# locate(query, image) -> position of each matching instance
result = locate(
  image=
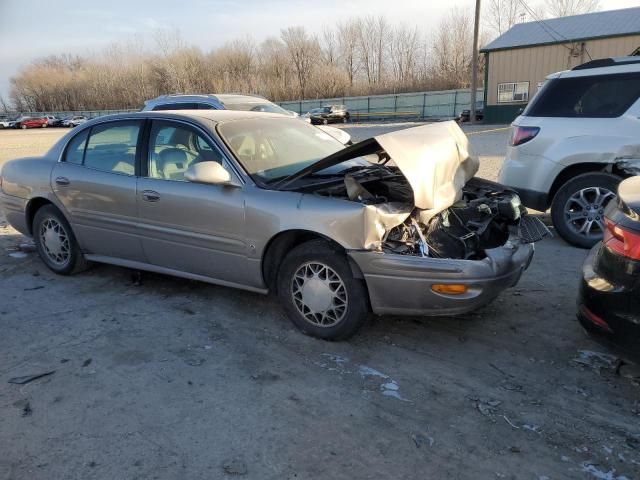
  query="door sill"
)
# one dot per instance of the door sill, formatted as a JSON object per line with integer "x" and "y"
{"x": 169, "y": 271}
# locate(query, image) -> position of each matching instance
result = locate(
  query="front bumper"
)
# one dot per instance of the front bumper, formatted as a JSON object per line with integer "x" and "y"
{"x": 401, "y": 284}
{"x": 608, "y": 301}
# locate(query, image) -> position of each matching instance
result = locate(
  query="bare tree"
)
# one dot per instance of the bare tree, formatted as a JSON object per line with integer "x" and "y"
{"x": 452, "y": 46}
{"x": 372, "y": 42}
{"x": 304, "y": 52}
{"x": 563, "y": 8}
{"x": 404, "y": 48}
{"x": 348, "y": 47}
{"x": 501, "y": 15}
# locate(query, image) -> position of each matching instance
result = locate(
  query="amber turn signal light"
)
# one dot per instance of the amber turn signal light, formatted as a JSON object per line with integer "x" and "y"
{"x": 449, "y": 288}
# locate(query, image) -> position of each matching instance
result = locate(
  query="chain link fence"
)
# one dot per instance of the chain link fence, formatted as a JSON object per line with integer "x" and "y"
{"x": 421, "y": 105}
{"x": 406, "y": 106}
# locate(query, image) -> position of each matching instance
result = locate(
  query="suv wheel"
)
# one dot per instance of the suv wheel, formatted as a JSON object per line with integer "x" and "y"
{"x": 577, "y": 210}
{"x": 55, "y": 242}
{"x": 319, "y": 293}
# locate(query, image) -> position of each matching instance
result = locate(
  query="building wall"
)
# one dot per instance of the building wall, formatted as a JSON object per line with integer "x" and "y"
{"x": 533, "y": 64}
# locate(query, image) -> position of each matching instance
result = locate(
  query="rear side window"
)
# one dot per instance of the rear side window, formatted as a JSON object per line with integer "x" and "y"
{"x": 75, "y": 148}
{"x": 598, "y": 96}
{"x": 176, "y": 106}
{"x": 112, "y": 147}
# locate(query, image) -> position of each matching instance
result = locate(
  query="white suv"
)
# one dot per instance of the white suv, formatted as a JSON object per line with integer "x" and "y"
{"x": 575, "y": 141}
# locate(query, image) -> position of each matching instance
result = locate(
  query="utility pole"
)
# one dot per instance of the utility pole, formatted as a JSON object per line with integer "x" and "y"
{"x": 474, "y": 64}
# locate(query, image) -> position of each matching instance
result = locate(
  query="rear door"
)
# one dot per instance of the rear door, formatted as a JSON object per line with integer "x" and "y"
{"x": 96, "y": 183}
{"x": 184, "y": 226}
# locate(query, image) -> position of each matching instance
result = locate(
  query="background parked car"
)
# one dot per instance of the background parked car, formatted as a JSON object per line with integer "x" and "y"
{"x": 31, "y": 122}
{"x": 74, "y": 121}
{"x": 465, "y": 115}
{"x": 575, "y": 141}
{"x": 4, "y": 122}
{"x": 252, "y": 103}
{"x": 51, "y": 120}
{"x": 329, "y": 114}
{"x": 609, "y": 302}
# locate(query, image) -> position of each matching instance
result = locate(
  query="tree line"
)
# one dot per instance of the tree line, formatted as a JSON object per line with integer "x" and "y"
{"x": 358, "y": 56}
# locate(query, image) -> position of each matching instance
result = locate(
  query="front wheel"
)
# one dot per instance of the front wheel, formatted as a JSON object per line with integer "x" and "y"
{"x": 577, "y": 210}
{"x": 23, "y": 127}
{"x": 55, "y": 242}
{"x": 44, "y": 125}
{"x": 319, "y": 293}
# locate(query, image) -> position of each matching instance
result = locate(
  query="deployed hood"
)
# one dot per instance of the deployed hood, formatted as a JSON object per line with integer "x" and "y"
{"x": 433, "y": 158}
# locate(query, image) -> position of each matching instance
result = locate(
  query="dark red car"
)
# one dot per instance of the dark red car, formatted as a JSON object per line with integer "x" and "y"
{"x": 33, "y": 123}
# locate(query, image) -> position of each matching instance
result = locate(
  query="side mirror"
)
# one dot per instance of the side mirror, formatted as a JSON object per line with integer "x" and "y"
{"x": 208, "y": 172}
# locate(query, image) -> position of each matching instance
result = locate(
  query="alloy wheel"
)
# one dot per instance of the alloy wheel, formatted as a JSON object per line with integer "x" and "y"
{"x": 319, "y": 294}
{"x": 584, "y": 211}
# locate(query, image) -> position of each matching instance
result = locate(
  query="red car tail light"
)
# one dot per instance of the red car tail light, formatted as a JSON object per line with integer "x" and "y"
{"x": 520, "y": 135}
{"x": 622, "y": 241}
{"x": 595, "y": 319}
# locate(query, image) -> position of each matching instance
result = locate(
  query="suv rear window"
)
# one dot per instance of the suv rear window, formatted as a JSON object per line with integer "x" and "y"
{"x": 598, "y": 96}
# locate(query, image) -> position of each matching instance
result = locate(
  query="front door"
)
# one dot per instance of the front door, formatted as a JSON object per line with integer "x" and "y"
{"x": 96, "y": 183}
{"x": 184, "y": 226}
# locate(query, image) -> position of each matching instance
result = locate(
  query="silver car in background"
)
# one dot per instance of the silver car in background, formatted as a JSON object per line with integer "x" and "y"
{"x": 394, "y": 224}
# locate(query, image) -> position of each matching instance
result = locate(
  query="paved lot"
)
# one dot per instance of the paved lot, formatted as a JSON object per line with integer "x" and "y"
{"x": 175, "y": 379}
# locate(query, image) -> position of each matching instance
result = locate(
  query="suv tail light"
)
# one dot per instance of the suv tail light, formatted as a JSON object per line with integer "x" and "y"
{"x": 520, "y": 135}
{"x": 622, "y": 241}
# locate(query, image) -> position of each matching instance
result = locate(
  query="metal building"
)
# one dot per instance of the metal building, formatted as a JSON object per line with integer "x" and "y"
{"x": 518, "y": 61}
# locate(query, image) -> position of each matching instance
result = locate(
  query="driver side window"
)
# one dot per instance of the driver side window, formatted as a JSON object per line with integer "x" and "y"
{"x": 174, "y": 147}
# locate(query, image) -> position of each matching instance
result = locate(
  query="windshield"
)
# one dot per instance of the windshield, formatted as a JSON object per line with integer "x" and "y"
{"x": 257, "y": 107}
{"x": 271, "y": 150}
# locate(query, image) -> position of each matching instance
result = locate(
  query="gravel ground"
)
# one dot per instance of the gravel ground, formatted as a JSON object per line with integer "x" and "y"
{"x": 167, "y": 378}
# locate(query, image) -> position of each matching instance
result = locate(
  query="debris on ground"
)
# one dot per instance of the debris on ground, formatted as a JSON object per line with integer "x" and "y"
{"x": 486, "y": 407}
{"x": 87, "y": 362}
{"x": 30, "y": 378}
{"x": 419, "y": 439}
{"x": 235, "y": 466}
{"x": 38, "y": 287}
{"x": 27, "y": 247}
{"x": 598, "y": 361}
{"x": 27, "y": 410}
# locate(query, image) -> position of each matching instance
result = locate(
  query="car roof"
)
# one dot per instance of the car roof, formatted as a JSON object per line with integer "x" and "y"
{"x": 222, "y": 97}
{"x": 601, "y": 66}
{"x": 216, "y": 116}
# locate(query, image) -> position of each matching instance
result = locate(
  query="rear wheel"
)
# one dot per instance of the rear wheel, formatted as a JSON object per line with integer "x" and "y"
{"x": 23, "y": 127}
{"x": 578, "y": 207}
{"x": 44, "y": 125}
{"x": 319, "y": 293}
{"x": 55, "y": 242}
{"x": 325, "y": 121}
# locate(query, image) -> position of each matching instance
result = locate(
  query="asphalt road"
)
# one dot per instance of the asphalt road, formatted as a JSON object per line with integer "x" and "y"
{"x": 169, "y": 378}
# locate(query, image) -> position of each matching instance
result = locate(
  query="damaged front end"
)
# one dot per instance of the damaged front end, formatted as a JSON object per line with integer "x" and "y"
{"x": 420, "y": 196}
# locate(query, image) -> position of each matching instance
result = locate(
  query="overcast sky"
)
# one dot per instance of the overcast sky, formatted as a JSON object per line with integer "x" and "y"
{"x": 36, "y": 28}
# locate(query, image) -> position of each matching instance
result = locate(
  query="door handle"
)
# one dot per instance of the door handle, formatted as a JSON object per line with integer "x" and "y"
{"x": 150, "y": 196}
{"x": 62, "y": 181}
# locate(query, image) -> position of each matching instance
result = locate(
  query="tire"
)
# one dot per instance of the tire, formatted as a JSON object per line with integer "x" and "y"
{"x": 310, "y": 265}
{"x": 44, "y": 125}
{"x": 344, "y": 119}
{"x": 50, "y": 219}
{"x": 578, "y": 206}
{"x": 23, "y": 127}
{"x": 325, "y": 121}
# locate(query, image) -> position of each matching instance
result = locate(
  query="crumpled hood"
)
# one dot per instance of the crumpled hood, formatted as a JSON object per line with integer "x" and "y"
{"x": 434, "y": 159}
